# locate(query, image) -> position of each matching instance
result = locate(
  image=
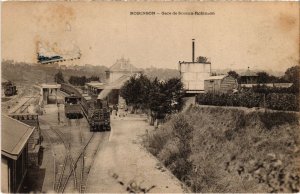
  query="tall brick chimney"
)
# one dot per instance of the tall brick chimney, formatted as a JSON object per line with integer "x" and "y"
{"x": 193, "y": 50}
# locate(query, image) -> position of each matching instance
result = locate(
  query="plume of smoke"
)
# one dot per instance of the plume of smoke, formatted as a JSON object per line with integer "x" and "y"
{"x": 104, "y": 93}
{"x": 114, "y": 85}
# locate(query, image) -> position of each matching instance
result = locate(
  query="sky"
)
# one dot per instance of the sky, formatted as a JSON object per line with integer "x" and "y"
{"x": 259, "y": 35}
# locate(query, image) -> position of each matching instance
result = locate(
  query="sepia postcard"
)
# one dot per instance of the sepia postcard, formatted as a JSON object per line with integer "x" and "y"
{"x": 150, "y": 97}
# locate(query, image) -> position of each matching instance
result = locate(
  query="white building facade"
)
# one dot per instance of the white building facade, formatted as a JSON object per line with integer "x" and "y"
{"x": 193, "y": 75}
{"x": 119, "y": 69}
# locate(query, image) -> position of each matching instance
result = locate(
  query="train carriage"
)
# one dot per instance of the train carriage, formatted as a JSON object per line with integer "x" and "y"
{"x": 96, "y": 111}
{"x": 73, "y": 107}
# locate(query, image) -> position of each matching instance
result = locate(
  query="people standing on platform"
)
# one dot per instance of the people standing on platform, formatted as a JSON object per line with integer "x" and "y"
{"x": 115, "y": 107}
{"x": 58, "y": 117}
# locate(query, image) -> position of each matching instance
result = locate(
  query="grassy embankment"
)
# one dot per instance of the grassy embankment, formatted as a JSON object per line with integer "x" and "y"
{"x": 214, "y": 149}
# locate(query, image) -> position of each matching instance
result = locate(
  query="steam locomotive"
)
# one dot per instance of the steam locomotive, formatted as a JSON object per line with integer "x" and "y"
{"x": 97, "y": 113}
{"x": 10, "y": 89}
{"x": 95, "y": 110}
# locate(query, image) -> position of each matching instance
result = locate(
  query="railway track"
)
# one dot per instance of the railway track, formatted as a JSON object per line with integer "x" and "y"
{"x": 79, "y": 166}
{"x": 90, "y": 153}
{"x": 89, "y": 150}
{"x": 46, "y": 135}
{"x": 63, "y": 181}
{"x": 59, "y": 167}
{"x": 66, "y": 168}
{"x": 20, "y": 108}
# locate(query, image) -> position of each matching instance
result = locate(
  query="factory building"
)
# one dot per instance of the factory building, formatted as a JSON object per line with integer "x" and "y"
{"x": 14, "y": 153}
{"x": 194, "y": 73}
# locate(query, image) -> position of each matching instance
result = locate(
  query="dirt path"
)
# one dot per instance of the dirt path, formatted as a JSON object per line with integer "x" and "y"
{"x": 122, "y": 164}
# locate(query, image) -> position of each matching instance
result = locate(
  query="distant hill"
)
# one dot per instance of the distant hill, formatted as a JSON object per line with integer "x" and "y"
{"x": 161, "y": 73}
{"x": 240, "y": 71}
{"x": 36, "y": 73}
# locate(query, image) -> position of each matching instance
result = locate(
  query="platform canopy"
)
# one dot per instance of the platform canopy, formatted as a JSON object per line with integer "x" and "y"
{"x": 95, "y": 84}
{"x": 51, "y": 86}
{"x": 14, "y": 137}
{"x": 117, "y": 84}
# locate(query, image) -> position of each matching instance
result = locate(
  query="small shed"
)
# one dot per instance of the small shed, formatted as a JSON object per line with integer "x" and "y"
{"x": 220, "y": 84}
{"x": 14, "y": 153}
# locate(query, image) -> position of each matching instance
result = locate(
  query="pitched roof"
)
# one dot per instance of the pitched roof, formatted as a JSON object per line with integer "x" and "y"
{"x": 123, "y": 65}
{"x": 216, "y": 77}
{"x": 95, "y": 83}
{"x": 15, "y": 135}
{"x": 248, "y": 73}
{"x": 117, "y": 84}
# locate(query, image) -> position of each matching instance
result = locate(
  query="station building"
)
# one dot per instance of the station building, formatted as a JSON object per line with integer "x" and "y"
{"x": 14, "y": 153}
{"x": 119, "y": 69}
{"x": 116, "y": 76}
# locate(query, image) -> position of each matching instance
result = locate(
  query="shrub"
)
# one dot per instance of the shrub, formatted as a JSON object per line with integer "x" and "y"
{"x": 156, "y": 141}
{"x": 272, "y": 119}
{"x": 232, "y": 150}
{"x": 285, "y": 102}
{"x": 171, "y": 144}
{"x": 276, "y": 101}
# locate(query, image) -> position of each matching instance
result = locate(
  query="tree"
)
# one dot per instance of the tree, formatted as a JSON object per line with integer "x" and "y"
{"x": 233, "y": 74}
{"x": 127, "y": 91}
{"x": 93, "y": 78}
{"x": 78, "y": 81}
{"x": 202, "y": 59}
{"x": 173, "y": 89}
{"x": 156, "y": 101}
{"x": 144, "y": 84}
{"x": 165, "y": 97}
{"x": 160, "y": 98}
{"x": 292, "y": 75}
{"x": 136, "y": 91}
{"x": 59, "y": 78}
{"x": 263, "y": 77}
